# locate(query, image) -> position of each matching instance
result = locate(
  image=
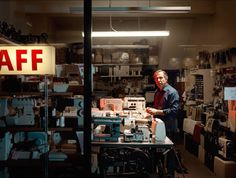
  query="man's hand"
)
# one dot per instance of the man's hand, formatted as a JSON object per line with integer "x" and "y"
{"x": 151, "y": 111}
{"x": 154, "y": 111}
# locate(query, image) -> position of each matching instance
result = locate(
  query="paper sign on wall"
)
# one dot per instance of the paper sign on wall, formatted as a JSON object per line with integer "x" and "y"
{"x": 27, "y": 60}
{"x": 230, "y": 93}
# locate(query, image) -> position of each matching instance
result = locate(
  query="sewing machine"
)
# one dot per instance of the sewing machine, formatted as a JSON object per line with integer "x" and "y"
{"x": 106, "y": 128}
{"x": 74, "y": 107}
{"x": 134, "y": 103}
{"x": 141, "y": 133}
{"x": 226, "y": 147}
{"x": 113, "y": 104}
{"x": 21, "y": 112}
{"x": 29, "y": 145}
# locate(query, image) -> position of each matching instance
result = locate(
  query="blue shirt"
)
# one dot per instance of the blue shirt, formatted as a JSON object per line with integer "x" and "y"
{"x": 168, "y": 101}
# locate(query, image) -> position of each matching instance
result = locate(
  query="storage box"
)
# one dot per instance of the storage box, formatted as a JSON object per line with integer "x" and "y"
{"x": 201, "y": 153}
{"x": 223, "y": 168}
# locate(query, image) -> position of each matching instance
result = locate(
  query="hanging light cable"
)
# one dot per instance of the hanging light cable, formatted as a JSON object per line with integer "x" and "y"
{"x": 115, "y": 33}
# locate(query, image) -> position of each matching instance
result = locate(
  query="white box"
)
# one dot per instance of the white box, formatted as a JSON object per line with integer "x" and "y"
{"x": 201, "y": 153}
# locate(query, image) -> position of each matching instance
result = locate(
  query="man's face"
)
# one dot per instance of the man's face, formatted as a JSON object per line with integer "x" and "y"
{"x": 160, "y": 79}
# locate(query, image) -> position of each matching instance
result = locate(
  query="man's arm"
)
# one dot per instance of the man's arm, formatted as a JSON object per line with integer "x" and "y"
{"x": 154, "y": 111}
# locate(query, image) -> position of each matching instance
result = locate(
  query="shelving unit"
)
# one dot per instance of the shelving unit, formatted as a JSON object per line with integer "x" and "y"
{"x": 121, "y": 67}
{"x": 23, "y": 136}
{"x": 213, "y": 116}
{"x": 203, "y": 81}
{"x": 67, "y": 134}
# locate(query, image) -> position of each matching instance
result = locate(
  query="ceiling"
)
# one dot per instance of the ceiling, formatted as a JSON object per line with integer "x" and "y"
{"x": 59, "y": 14}
{"x": 56, "y": 18}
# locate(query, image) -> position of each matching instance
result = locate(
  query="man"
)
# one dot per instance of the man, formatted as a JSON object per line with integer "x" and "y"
{"x": 166, "y": 107}
{"x": 166, "y": 103}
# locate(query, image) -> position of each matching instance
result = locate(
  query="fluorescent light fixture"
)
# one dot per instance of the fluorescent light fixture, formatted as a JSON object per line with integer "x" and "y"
{"x": 165, "y": 9}
{"x": 159, "y": 9}
{"x": 128, "y": 33}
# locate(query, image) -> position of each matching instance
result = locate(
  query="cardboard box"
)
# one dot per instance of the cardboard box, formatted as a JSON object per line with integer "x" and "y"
{"x": 223, "y": 168}
{"x": 201, "y": 153}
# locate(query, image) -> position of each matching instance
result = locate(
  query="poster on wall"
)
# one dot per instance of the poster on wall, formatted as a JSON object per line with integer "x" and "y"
{"x": 27, "y": 60}
{"x": 230, "y": 93}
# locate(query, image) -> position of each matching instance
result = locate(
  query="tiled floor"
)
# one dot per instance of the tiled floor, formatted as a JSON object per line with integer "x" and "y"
{"x": 196, "y": 169}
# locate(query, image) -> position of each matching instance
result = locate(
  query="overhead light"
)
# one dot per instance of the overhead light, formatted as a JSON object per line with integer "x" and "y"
{"x": 166, "y": 9}
{"x": 159, "y": 9}
{"x": 128, "y": 33}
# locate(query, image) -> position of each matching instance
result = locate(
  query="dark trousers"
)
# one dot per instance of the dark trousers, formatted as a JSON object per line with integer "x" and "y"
{"x": 170, "y": 162}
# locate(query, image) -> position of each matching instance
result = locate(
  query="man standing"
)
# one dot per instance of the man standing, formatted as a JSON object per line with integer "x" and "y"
{"x": 166, "y": 107}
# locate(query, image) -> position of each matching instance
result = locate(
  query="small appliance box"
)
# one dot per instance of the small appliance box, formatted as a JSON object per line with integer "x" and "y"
{"x": 226, "y": 147}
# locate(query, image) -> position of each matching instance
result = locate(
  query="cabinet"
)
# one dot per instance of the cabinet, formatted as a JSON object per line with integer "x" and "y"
{"x": 40, "y": 131}
{"x": 122, "y": 69}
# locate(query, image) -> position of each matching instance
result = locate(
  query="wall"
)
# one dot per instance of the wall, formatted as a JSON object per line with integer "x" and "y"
{"x": 212, "y": 32}
{"x": 171, "y": 53}
{"x": 9, "y": 12}
{"x": 218, "y": 29}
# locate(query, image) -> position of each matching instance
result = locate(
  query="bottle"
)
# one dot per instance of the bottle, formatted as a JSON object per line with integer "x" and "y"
{"x": 62, "y": 121}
